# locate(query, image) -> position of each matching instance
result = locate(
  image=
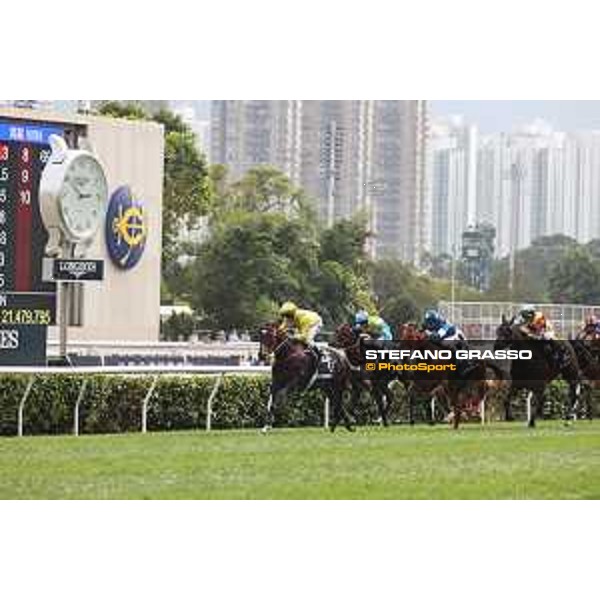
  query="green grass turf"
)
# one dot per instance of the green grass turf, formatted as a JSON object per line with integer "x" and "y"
{"x": 499, "y": 461}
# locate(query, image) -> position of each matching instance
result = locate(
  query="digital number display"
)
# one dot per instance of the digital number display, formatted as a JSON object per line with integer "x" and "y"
{"x": 25, "y": 316}
{"x": 24, "y": 151}
{"x": 27, "y": 303}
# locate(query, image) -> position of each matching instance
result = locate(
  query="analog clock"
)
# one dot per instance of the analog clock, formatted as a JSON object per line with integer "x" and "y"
{"x": 73, "y": 192}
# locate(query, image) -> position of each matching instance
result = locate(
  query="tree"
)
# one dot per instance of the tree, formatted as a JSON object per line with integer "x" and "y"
{"x": 345, "y": 241}
{"x": 261, "y": 189}
{"x": 575, "y": 278}
{"x": 123, "y": 110}
{"x": 532, "y": 269}
{"x": 403, "y": 294}
{"x": 186, "y": 190}
{"x": 249, "y": 266}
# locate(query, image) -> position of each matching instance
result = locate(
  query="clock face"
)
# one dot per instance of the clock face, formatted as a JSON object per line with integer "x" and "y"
{"x": 82, "y": 197}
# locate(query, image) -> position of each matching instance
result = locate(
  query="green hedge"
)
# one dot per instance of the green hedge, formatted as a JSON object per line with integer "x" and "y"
{"x": 112, "y": 404}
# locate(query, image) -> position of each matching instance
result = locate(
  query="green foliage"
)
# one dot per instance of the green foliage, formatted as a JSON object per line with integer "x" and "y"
{"x": 186, "y": 191}
{"x": 533, "y": 266}
{"x": 344, "y": 242}
{"x": 403, "y": 294}
{"x": 575, "y": 278}
{"x": 122, "y": 110}
{"x": 178, "y": 325}
{"x": 265, "y": 247}
{"x": 261, "y": 189}
{"x": 250, "y": 264}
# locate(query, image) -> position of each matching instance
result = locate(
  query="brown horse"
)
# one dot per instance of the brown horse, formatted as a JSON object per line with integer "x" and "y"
{"x": 535, "y": 375}
{"x": 296, "y": 368}
{"x": 458, "y": 390}
{"x": 348, "y": 340}
{"x": 588, "y": 358}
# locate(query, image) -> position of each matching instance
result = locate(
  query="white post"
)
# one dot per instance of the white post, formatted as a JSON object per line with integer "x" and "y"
{"x": 79, "y": 399}
{"x": 209, "y": 402}
{"x": 529, "y": 406}
{"x": 326, "y": 413}
{"x": 145, "y": 404}
{"x": 482, "y": 410}
{"x": 432, "y": 408}
{"x": 22, "y": 405}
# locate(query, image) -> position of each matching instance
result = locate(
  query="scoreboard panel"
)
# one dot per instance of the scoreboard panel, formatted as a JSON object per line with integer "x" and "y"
{"x": 27, "y": 303}
{"x": 24, "y": 151}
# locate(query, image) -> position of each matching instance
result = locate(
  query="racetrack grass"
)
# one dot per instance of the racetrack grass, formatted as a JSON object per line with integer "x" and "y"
{"x": 501, "y": 460}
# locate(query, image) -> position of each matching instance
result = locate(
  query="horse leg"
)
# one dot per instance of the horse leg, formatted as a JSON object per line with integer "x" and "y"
{"x": 508, "y": 416}
{"x": 456, "y": 407}
{"x": 339, "y": 412}
{"x": 275, "y": 394}
{"x": 411, "y": 405}
{"x": 381, "y": 400}
{"x": 532, "y": 409}
{"x": 589, "y": 403}
{"x": 573, "y": 400}
{"x": 356, "y": 391}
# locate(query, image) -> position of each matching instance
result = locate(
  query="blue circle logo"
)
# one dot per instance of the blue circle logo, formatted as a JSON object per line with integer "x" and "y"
{"x": 126, "y": 228}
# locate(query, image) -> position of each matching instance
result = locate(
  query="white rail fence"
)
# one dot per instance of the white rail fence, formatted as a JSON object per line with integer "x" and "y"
{"x": 157, "y": 372}
{"x": 125, "y": 353}
{"x": 479, "y": 320}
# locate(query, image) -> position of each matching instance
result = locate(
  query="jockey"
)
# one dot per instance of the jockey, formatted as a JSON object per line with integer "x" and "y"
{"x": 590, "y": 330}
{"x": 438, "y": 329}
{"x": 305, "y": 324}
{"x": 533, "y": 324}
{"x": 372, "y": 325}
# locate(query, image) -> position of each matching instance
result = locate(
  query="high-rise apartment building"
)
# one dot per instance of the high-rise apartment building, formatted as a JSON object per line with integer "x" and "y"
{"x": 399, "y": 172}
{"x": 350, "y": 155}
{"x": 247, "y": 133}
{"x": 453, "y": 183}
{"x": 533, "y": 183}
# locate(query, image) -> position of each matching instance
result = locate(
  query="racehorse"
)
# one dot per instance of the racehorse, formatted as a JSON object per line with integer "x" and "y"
{"x": 588, "y": 359}
{"x": 296, "y": 368}
{"x": 348, "y": 340}
{"x": 458, "y": 390}
{"x": 534, "y": 375}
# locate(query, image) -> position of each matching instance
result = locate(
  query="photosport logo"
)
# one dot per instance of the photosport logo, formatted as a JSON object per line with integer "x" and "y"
{"x": 424, "y": 359}
{"x": 126, "y": 228}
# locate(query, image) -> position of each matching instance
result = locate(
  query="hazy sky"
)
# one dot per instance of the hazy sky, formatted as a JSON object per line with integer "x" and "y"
{"x": 504, "y": 115}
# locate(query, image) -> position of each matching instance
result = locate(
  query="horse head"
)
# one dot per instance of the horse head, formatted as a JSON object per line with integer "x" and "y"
{"x": 505, "y": 333}
{"x": 344, "y": 336}
{"x": 410, "y": 332}
{"x": 270, "y": 338}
